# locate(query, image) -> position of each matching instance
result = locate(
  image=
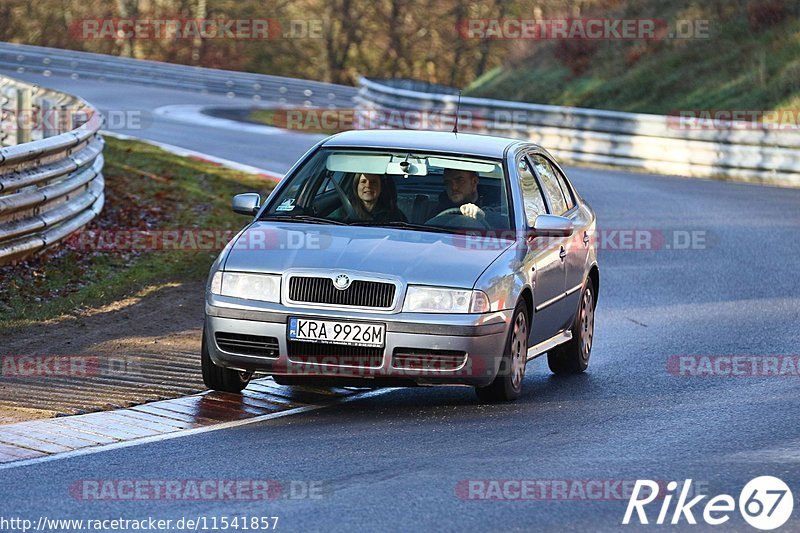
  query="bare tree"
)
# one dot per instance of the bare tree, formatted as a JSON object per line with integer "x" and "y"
{"x": 128, "y": 9}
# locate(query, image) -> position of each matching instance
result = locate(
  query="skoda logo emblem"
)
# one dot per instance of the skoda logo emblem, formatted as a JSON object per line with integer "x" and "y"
{"x": 341, "y": 282}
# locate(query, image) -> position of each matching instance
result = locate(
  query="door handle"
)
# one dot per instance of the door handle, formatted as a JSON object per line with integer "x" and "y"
{"x": 562, "y": 254}
{"x": 586, "y": 238}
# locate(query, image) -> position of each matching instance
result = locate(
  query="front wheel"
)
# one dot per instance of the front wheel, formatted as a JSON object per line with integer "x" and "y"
{"x": 219, "y": 378}
{"x": 572, "y": 357}
{"x": 507, "y": 385}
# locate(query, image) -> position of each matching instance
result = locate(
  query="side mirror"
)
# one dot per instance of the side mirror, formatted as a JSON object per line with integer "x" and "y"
{"x": 551, "y": 226}
{"x": 246, "y": 204}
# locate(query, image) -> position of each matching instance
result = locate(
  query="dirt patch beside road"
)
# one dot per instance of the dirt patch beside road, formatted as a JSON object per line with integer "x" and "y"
{"x": 136, "y": 350}
{"x": 90, "y": 327}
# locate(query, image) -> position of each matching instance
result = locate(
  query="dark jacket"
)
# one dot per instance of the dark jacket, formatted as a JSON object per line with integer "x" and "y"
{"x": 494, "y": 219}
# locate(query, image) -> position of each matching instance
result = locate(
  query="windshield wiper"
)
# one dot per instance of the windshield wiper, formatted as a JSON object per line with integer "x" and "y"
{"x": 304, "y": 218}
{"x": 404, "y": 225}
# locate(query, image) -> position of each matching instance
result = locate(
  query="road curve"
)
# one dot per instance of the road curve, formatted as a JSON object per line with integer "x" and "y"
{"x": 149, "y": 113}
{"x": 397, "y": 461}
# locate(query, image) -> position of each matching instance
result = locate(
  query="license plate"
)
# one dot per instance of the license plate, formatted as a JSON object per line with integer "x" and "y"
{"x": 335, "y": 332}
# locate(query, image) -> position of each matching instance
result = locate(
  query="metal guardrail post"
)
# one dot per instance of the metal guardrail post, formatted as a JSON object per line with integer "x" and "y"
{"x": 6, "y": 124}
{"x": 49, "y": 118}
{"x": 68, "y": 118}
{"x": 24, "y": 115}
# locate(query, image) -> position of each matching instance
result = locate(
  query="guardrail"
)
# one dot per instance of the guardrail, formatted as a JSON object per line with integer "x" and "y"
{"x": 51, "y": 181}
{"x": 258, "y": 87}
{"x": 652, "y": 143}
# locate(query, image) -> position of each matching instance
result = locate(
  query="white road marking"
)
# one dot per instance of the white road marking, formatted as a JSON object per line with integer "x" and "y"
{"x": 185, "y": 152}
{"x": 193, "y": 114}
{"x": 185, "y": 432}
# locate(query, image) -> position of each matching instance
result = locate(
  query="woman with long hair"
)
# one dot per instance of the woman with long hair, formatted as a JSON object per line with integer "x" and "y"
{"x": 374, "y": 199}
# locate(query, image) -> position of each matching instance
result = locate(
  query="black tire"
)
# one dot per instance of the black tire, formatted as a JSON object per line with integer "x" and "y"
{"x": 572, "y": 357}
{"x": 507, "y": 385}
{"x": 219, "y": 378}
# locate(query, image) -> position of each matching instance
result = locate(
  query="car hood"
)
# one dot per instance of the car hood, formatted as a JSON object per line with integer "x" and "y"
{"x": 415, "y": 256}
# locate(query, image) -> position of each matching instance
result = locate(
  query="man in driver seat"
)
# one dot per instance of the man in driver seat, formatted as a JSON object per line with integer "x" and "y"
{"x": 461, "y": 187}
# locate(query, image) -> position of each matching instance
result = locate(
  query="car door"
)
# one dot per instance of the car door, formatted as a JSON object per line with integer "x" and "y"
{"x": 578, "y": 249}
{"x": 542, "y": 260}
{"x": 554, "y": 308}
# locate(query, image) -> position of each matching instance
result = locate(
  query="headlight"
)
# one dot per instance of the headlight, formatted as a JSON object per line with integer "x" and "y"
{"x": 435, "y": 300}
{"x": 215, "y": 285}
{"x": 262, "y": 287}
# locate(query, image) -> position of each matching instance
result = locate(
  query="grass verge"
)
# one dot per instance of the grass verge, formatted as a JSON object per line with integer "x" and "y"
{"x": 305, "y": 122}
{"x": 147, "y": 190}
{"x": 748, "y": 60}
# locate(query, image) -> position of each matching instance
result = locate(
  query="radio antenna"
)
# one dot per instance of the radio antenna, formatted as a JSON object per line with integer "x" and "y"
{"x": 458, "y": 108}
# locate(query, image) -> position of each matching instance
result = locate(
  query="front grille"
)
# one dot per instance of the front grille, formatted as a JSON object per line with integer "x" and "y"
{"x": 335, "y": 354}
{"x": 360, "y": 293}
{"x": 417, "y": 359}
{"x": 247, "y": 344}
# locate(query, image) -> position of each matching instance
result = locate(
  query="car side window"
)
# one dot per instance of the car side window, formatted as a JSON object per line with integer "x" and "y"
{"x": 558, "y": 204}
{"x": 562, "y": 181}
{"x": 531, "y": 193}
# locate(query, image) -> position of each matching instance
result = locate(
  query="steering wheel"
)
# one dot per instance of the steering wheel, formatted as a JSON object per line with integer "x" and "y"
{"x": 348, "y": 206}
{"x": 456, "y": 211}
{"x": 450, "y": 211}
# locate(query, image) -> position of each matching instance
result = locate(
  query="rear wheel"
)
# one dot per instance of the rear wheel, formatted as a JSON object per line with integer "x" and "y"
{"x": 507, "y": 385}
{"x": 573, "y": 357}
{"x": 219, "y": 378}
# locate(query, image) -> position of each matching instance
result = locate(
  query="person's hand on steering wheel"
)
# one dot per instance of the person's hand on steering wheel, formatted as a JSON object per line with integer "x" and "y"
{"x": 473, "y": 211}
{"x": 478, "y": 215}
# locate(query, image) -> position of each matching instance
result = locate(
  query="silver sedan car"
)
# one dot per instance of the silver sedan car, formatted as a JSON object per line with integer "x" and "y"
{"x": 392, "y": 258}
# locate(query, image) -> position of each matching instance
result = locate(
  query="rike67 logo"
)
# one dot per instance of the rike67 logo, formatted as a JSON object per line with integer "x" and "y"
{"x": 765, "y": 503}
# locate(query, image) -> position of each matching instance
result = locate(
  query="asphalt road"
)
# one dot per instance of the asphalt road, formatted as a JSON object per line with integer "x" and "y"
{"x": 393, "y": 462}
{"x": 138, "y": 110}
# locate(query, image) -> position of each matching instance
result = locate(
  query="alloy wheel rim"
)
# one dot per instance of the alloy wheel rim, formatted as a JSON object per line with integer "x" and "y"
{"x": 587, "y": 323}
{"x": 519, "y": 349}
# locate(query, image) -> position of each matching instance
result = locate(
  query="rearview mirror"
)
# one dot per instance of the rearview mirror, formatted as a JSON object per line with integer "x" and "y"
{"x": 552, "y": 226}
{"x": 407, "y": 168}
{"x": 247, "y": 204}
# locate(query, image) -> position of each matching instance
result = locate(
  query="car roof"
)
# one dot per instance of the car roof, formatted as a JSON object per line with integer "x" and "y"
{"x": 428, "y": 141}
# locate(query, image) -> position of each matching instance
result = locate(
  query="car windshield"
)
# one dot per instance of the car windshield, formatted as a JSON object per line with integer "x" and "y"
{"x": 418, "y": 191}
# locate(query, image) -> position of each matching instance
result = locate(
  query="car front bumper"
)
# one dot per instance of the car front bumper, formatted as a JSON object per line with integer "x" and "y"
{"x": 481, "y": 338}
